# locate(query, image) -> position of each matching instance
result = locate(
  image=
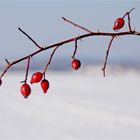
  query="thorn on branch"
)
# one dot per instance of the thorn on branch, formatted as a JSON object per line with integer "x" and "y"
{"x": 23, "y": 81}
{"x": 7, "y": 61}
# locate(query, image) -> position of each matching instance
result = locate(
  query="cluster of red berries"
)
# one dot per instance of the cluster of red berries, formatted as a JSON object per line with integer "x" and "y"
{"x": 118, "y": 24}
{"x": 37, "y": 77}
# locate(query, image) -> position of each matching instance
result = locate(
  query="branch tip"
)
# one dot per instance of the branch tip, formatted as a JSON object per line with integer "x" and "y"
{"x": 77, "y": 25}
{"x": 63, "y": 18}
{"x": 131, "y": 10}
{"x": 38, "y": 46}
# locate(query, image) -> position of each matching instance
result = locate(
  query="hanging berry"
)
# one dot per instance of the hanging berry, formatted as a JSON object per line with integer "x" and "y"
{"x": 118, "y": 24}
{"x": 36, "y": 77}
{"x": 76, "y": 64}
{"x": 25, "y": 90}
{"x": 45, "y": 85}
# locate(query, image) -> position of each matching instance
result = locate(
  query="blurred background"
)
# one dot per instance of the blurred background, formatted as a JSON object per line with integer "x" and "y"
{"x": 42, "y": 20}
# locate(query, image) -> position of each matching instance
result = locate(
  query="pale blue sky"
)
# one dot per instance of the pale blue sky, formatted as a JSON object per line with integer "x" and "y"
{"x": 42, "y": 20}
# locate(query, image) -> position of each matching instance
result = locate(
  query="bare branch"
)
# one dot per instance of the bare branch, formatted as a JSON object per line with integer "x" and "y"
{"x": 107, "y": 53}
{"x": 68, "y": 41}
{"x": 76, "y": 25}
{"x": 50, "y": 59}
{"x": 128, "y": 16}
{"x": 55, "y": 46}
{"x": 30, "y": 38}
{"x": 128, "y": 12}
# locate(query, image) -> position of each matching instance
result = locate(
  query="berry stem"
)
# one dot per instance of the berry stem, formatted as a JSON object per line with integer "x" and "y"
{"x": 27, "y": 70}
{"x": 75, "y": 50}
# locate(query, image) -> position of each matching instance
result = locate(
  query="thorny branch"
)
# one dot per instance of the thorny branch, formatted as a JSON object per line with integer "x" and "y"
{"x": 58, "y": 44}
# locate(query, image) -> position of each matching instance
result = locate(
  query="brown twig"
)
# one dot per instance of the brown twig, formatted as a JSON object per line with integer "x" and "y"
{"x": 128, "y": 12}
{"x": 68, "y": 41}
{"x": 38, "y": 46}
{"x": 128, "y": 16}
{"x": 76, "y": 25}
{"x": 107, "y": 53}
{"x": 50, "y": 59}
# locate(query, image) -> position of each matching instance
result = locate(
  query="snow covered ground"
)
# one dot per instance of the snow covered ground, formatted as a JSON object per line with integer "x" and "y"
{"x": 77, "y": 106}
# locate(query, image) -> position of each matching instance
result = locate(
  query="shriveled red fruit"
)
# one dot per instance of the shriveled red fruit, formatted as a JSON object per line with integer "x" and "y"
{"x": 76, "y": 64}
{"x": 36, "y": 77}
{"x": 25, "y": 90}
{"x": 118, "y": 24}
{"x": 0, "y": 82}
{"x": 45, "y": 85}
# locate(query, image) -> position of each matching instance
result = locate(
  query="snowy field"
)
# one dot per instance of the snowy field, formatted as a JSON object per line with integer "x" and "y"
{"x": 78, "y": 106}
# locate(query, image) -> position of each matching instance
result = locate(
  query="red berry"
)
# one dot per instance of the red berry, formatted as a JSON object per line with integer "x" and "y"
{"x": 45, "y": 85}
{"x": 76, "y": 64}
{"x": 36, "y": 77}
{"x": 119, "y": 23}
{"x": 0, "y": 82}
{"x": 25, "y": 90}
